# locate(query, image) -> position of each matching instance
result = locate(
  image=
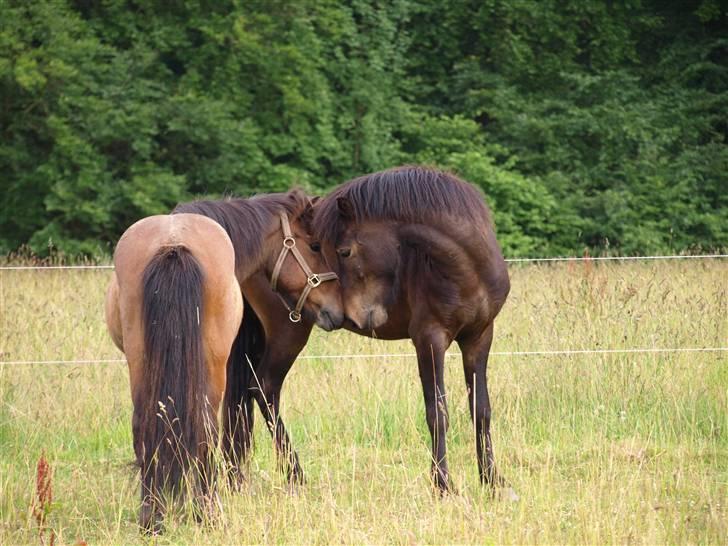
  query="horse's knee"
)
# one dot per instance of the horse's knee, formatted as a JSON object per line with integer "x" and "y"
{"x": 268, "y": 389}
{"x": 437, "y": 416}
{"x": 484, "y": 414}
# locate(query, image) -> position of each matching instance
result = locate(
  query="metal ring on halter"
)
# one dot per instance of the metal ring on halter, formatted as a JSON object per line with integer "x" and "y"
{"x": 312, "y": 279}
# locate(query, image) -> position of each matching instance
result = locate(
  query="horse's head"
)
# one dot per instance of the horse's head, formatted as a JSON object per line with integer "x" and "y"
{"x": 368, "y": 256}
{"x": 301, "y": 274}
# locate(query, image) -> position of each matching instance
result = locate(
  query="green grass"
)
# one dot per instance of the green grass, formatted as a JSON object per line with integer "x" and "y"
{"x": 601, "y": 448}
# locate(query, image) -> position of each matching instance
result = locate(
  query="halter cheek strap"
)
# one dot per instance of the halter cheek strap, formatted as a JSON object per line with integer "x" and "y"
{"x": 312, "y": 279}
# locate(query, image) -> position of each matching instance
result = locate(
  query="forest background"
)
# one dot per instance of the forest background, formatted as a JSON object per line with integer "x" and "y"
{"x": 589, "y": 126}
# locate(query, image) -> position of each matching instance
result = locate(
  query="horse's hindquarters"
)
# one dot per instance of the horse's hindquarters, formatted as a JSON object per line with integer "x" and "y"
{"x": 174, "y": 307}
{"x": 113, "y": 314}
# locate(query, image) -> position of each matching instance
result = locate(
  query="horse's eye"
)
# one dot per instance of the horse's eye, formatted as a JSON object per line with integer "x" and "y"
{"x": 316, "y": 247}
{"x": 344, "y": 252}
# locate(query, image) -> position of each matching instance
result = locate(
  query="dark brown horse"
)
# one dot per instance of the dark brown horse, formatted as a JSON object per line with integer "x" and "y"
{"x": 417, "y": 258}
{"x": 290, "y": 258}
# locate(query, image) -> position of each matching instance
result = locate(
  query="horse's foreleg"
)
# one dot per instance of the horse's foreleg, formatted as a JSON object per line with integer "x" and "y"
{"x": 431, "y": 360}
{"x": 237, "y": 436}
{"x": 267, "y": 388}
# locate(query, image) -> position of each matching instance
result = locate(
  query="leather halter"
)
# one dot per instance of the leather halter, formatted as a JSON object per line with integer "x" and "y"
{"x": 312, "y": 279}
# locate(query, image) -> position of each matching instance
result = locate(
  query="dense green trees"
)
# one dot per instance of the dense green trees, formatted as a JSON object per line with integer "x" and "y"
{"x": 586, "y": 123}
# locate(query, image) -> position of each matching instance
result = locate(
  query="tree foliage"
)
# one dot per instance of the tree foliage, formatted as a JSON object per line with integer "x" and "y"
{"x": 587, "y": 124}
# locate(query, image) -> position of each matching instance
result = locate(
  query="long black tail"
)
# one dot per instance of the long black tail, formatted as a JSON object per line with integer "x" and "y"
{"x": 245, "y": 356}
{"x": 172, "y": 416}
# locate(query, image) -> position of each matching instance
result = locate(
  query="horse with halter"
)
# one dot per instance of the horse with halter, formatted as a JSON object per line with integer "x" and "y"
{"x": 292, "y": 261}
{"x": 417, "y": 258}
{"x": 174, "y": 307}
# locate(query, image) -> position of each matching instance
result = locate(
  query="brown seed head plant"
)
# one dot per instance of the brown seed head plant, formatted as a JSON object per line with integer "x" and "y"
{"x": 43, "y": 498}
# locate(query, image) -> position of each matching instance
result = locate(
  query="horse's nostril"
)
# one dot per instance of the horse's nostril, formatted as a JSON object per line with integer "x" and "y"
{"x": 331, "y": 320}
{"x": 370, "y": 320}
{"x": 352, "y": 322}
{"x": 337, "y": 319}
{"x": 324, "y": 320}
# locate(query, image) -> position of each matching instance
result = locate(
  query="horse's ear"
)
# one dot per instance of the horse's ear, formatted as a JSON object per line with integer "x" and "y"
{"x": 346, "y": 209}
{"x": 306, "y": 217}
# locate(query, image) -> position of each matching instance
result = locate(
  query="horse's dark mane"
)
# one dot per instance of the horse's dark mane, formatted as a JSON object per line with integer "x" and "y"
{"x": 411, "y": 194}
{"x": 247, "y": 221}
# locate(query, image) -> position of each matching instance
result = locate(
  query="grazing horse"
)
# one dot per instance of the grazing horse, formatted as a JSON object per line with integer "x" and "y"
{"x": 417, "y": 258}
{"x": 148, "y": 311}
{"x": 293, "y": 259}
{"x": 174, "y": 308}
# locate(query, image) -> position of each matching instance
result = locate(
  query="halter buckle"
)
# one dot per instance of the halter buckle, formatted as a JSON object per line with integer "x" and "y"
{"x": 313, "y": 280}
{"x": 294, "y": 316}
{"x": 289, "y": 242}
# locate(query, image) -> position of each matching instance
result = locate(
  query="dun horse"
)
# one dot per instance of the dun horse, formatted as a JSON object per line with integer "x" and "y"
{"x": 184, "y": 356}
{"x": 417, "y": 258}
{"x": 174, "y": 308}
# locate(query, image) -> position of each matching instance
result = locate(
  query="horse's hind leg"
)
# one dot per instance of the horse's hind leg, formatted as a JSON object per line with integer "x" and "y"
{"x": 475, "y": 352}
{"x": 207, "y": 498}
{"x": 431, "y": 360}
{"x": 151, "y": 512}
{"x": 112, "y": 313}
{"x": 237, "y": 417}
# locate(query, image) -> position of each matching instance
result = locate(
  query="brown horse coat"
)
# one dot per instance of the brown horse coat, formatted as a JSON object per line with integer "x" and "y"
{"x": 209, "y": 243}
{"x": 418, "y": 258}
{"x": 254, "y": 227}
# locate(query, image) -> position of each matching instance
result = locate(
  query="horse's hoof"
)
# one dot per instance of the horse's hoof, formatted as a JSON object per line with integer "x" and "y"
{"x": 441, "y": 484}
{"x": 209, "y": 508}
{"x": 296, "y": 477}
{"x": 450, "y": 490}
{"x": 237, "y": 480}
{"x": 150, "y": 522}
{"x": 508, "y": 494}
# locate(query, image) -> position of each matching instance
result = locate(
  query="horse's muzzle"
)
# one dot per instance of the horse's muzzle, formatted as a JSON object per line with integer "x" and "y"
{"x": 328, "y": 320}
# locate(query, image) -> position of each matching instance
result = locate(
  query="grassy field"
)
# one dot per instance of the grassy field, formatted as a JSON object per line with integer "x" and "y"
{"x": 601, "y": 448}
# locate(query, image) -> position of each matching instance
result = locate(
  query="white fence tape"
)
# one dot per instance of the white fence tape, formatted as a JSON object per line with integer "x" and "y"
{"x": 509, "y": 260}
{"x": 564, "y": 352}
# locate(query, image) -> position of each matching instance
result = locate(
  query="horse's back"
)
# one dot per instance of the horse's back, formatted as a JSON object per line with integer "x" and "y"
{"x": 209, "y": 245}
{"x": 204, "y": 238}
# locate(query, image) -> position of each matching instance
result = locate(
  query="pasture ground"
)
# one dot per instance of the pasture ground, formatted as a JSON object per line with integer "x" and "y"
{"x": 601, "y": 448}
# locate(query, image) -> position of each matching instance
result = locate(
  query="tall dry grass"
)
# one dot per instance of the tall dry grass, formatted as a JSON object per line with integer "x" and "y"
{"x": 602, "y": 448}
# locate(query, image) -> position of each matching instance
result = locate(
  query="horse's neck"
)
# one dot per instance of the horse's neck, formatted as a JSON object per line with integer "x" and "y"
{"x": 254, "y": 258}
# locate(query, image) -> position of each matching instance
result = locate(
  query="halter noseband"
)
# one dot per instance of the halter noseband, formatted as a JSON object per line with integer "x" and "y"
{"x": 312, "y": 279}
